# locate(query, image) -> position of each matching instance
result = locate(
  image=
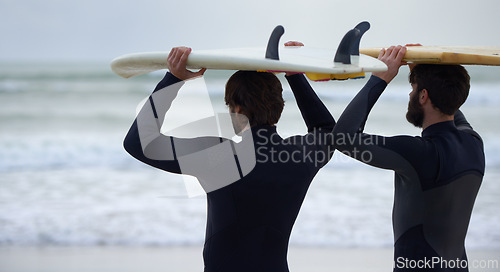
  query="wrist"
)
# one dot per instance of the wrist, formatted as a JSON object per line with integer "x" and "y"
{"x": 383, "y": 77}
{"x": 173, "y": 77}
{"x": 375, "y": 77}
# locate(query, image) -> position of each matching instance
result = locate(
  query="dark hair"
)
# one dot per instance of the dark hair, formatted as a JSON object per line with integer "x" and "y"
{"x": 258, "y": 94}
{"x": 447, "y": 85}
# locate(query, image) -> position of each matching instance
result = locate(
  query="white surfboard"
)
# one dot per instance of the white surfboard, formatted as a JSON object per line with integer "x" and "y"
{"x": 317, "y": 63}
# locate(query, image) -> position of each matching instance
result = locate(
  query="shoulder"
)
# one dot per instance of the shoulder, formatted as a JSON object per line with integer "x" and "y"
{"x": 469, "y": 132}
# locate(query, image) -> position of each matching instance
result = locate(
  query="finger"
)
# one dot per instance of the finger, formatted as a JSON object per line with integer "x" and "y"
{"x": 170, "y": 54}
{"x": 381, "y": 53}
{"x": 174, "y": 57}
{"x": 184, "y": 56}
{"x": 294, "y": 43}
{"x": 388, "y": 51}
{"x": 395, "y": 51}
{"x": 401, "y": 54}
{"x": 178, "y": 51}
{"x": 201, "y": 72}
{"x": 171, "y": 58}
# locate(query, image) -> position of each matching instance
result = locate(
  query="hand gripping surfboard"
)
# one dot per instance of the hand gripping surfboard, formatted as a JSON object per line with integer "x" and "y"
{"x": 318, "y": 64}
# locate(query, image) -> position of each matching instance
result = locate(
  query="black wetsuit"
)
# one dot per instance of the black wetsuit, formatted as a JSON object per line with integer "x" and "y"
{"x": 437, "y": 177}
{"x": 249, "y": 219}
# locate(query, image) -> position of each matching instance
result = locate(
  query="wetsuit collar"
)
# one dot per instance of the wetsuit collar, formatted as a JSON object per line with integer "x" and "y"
{"x": 269, "y": 128}
{"x": 438, "y": 128}
{"x": 265, "y": 131}
{"x": 259, "y": 131}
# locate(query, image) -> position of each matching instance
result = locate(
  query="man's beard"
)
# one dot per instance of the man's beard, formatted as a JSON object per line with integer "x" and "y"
{"x": 415, "y": 114}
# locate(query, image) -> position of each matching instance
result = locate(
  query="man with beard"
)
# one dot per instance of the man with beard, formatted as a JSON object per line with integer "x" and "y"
{"x": 437, "y": 175}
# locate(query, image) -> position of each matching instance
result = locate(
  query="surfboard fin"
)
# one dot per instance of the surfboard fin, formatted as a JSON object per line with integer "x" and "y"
{"x": 363, "y": 27}
{"x": 273, "y": 43}
{"x": 349, "y": 45}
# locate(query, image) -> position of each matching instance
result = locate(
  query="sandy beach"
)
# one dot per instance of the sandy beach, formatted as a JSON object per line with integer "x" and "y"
{"x": 188, "y": 259}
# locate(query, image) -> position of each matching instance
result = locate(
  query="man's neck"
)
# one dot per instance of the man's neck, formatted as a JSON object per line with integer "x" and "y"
{"x": 436, "y": 118}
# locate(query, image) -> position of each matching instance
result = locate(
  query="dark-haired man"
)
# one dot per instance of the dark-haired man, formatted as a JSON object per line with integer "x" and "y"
{"x": 255, "y": 187}
{"x": 437, "y": 175}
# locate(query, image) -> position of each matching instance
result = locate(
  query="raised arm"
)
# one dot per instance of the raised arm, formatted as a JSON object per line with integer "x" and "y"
{"x": 354, "y": 116}
{"x": 214, "y": 161}
{"x": 314, "y": 112}
{"x": 378, "y": 151}
{"x": 319, "y": 122}
{"x": 144, "y": 140}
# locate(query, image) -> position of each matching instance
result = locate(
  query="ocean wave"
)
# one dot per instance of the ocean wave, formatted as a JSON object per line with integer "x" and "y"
{"x": 141, "y": 207}
{"x": 61, "y": 151}
{"x": 66, "y": 179}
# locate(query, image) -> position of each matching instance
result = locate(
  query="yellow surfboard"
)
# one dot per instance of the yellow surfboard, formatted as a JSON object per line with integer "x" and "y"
{"x": 466, "y": 55}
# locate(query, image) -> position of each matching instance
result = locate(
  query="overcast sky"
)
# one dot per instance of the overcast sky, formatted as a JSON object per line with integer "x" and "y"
{"x": 99, "y": 30}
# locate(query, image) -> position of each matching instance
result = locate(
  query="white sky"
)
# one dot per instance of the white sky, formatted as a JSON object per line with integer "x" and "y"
{"x": 99, "y": 30}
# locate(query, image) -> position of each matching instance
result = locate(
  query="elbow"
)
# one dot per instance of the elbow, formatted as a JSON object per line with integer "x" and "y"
{"x": 331, "y": 125}
{"x": 345, "y": 127}
{"x": 132, "y": 144}
{"x": 338, "y": 131}
{"x": 128, "y": 145}
{"x": 345, "y": 140}
{"x": 325, "y": 127}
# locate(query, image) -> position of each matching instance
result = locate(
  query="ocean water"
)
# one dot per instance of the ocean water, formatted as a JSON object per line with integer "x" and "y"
{"x": 66, "y": 180}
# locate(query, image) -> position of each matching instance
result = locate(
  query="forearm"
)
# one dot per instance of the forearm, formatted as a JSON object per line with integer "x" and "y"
{"x": 314, "y": 112}
{"x": 383, "y": 152}
{"x": 356, "y": 113}
{"x": 145, "y": 131}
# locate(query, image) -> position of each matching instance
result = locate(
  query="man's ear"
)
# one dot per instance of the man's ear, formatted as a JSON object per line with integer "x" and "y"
{"x": 237, "y": 109}
{"x": 423, "y": 97}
